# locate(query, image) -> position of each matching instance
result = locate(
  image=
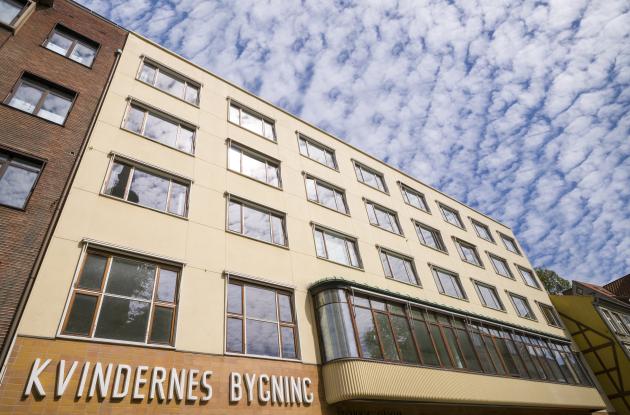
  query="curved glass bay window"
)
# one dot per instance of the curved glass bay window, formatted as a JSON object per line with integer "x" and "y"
{"x": 357, "y": 324}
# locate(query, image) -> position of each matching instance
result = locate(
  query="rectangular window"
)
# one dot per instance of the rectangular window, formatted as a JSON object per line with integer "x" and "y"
{"x": 468, "y": 252}
{"x": 451, "y": 216}
{"x": 383, "y": 218}
{"x": 41, "y": 98}
{"x": 370, "y": 177}
{"x": 170, "y": 82}
{"x": 253, "y": 164}
{"x": 72, "y": 45}
{"x": 317, "y": 151}
{"x": 260, "y": 320}
{"x": 123, "y": 298}
{"x": 482, "y": 230}
{"x": 256, "y": 221}
{"x": 488, "y": 295}
{"x": 448, "y": 283}
{"x": 414, "y": 198}
{"x": 550, "y": 315}
{"x": 398, "y": 267}
{"x": 510, "y": 244}
{"x": 10, "y": 11}
{"x": 155, "y": 190}
{"x": 18, "y": 176}
{"x": 430, "y": 237}
{"x": 528, "y": 277}
{"x": 160, "y": 127}
{"x": 252, "y": 121}
{"x": 336, "y": 247}
{"x": 500, "y": 266}
{"x": 521, "y": 305}
{"x": 326, "y": 194}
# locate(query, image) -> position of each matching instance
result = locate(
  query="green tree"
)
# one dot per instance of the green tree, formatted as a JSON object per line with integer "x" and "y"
{"x": 553, "y": 282}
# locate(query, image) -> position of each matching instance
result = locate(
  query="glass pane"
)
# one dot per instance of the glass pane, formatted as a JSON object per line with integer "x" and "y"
{"x": 404, "y": 339}
{"x": 367, "y": 334}
{"x": 147, "y": 73}
{"x": 330, "y": 160}
{"x": 234, "y": 217}
{"x": 131, "y": 278}
{"x": 352, "y": 250}
{"x": 429, "y": 356}
{"x": 440, "y": 345}
{"x": 162, "y": 325}
{"x": 371, "y": 214}
{"x": 234, "y": 114}
{"x": 235, "y": 299}
{"x": 303, "y": 147}
{"x": 262, "y": 338}
{"x": 93, "y": 271}
{"x": 337, "y": 332}
{"x": 118, "y": 180}
{"x": 449, "y": 284}
{"x": 336, "y": 249}
{"x": 486, "y": 363}
{"x": 160, "y": 130}
{"x": 286, "y": 309}
{"x": 311, "y": 193}
{"x": 178, "y": 197}
{"x": 123, "y": 319}
{"x": 273, "y": 175}
{"x": 399, "y": 270}
{"x": 234, "y": 335}
{"x": 16, "y": 185}
{"x": 81, "y": 315}
{"x": 168, "y": 83}
{"x": 316, "y": 153}
{"x": 167, "y": 285}
{"x": 134, "y": 120}
{"x": 55, "y": 108}
{"x": 288, "y": 343}
{"x": 148, "y": 190}
{"x": 383, "y": 219}
{"x": 454, "y": 347}
{"x": 254, "y": 168}
{"x": 83, "y": 54}
{"x": 319, "y": 244}
{"x": 494, "y": 355}
{"x": 385, "y": 262}
{"x": 387, "y": 337}
{"x": 269, "y": 130}
{"x": 9, "y": 10}
{"x": 428, "y": 238}
{"x": 467, "y": 350}
{"x": 501, "y": 267}
{"x": 251, "y": 122}
{"x": 234, "y": 159}
{"x": 341, "y": 203}
{"x": 192, "y": 94}
{"x": 186, "y": 140}
{"x": 256, "y": 224}
{"x": 58, "y": 43}
{"x": 260, "y": 303}
{"x": 326, "y": 196}
{"x": 507, "y": 356}
{"x": 26, "y": 97}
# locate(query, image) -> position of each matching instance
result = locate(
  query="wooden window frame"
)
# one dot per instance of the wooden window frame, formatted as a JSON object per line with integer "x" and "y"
{"x": 386, "y": 251}
{"x": 256, "y": 206}
{"x": 329, "y": 185}
{"x": 444, "y": 207}
{"x": 77, "y": 38}
{"x": 255, "y": 154}
{"x": 323, "y": 147}
{"x": 4, "y": 165}
{"x": 406, "y": 188}
{"x": 361, "y": 167}
{"x": 187, "y": 81}
{"x": 252, "y": 112}
{"x": 436, "y": 233}
{"x": 347, "y": 238}
{"x": 388, "y": 211}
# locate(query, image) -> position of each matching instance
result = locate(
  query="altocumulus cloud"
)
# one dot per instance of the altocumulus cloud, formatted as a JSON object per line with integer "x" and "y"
{"x": 520, "y": 109}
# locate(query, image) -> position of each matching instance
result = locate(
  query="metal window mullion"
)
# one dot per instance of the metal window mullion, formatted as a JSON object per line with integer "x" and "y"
{"x": 145, "y": 118}
{"x": 168, "y": 195}
{"x": 271, "y": 231}
{"x": 155, "y": 77}
{"x": 177, "y": 133}
{"x": 132, "y": 170}
{"x": 151, "y": 302}
{"x": 316, "y": 183}
{"x": 244, "y": 319}
{"x": 278, "y": 321}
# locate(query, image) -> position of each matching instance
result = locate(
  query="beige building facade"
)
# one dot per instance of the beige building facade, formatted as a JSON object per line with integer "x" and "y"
{"x": 218, "y": 254}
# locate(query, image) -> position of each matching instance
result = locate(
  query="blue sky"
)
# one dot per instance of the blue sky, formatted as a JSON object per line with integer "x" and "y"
{"x": 519, "y": 109}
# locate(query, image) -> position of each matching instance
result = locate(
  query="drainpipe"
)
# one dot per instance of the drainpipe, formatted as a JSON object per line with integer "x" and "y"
{"x": 8, "y": 346}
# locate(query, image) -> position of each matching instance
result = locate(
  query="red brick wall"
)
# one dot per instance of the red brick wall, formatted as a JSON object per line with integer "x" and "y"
{"x": 22, "y": 231}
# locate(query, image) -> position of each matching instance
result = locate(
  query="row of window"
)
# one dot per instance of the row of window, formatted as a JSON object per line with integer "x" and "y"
{"x": 618, "y": 322}
{"x": 131, "y": 299}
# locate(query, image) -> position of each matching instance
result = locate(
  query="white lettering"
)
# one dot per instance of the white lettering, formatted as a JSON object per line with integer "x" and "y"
{"x": 263, "y": 396}
{"x": 157, "y": 383}
{"x": 139, "y": 381}
{"x": 33, "y": 378}
{"x": 277, "y": 390}
{"x": 236, "y": 390}
{"x": 296, "y": 390}
{"x": 176, "y": 384}
{"x": 116, "y": 392}
{"x": 308, "y": 397}
{"x": 205, "y": 385}
{"x": 62, "y": 379}
{"x": 192, "y": 373}
{"x": 100, "y": 379}
{"x": 82, "y": 379}
{"x": 249, "y": 384}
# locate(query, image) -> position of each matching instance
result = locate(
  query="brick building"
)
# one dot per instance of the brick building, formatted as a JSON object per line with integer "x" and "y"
{"x": 55, "y": 61}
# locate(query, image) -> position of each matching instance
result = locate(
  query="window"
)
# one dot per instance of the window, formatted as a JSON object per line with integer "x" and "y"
{"x": 468, "y": 252}
{"x": 510, "y": 244}
{"x": 260, "y": 320}
{"x": 169, "y": 82}
{"x": 521, "y": 305}
{"x": 137, "y": 184}
{"x": 528, "y": 277}
{"x": 336, "y": 324}
{"x": 500, "y": 266}
{"x": 550, "y": 315}
{"x": 18, "y": 176}
{"x": 430, "y": 237}
{"x": 316, "y": 151}
{"x": 336, "y": 247}
{"x": 488, "y": 295}
{"x": 41, "y": 98}
{"x": 398, "y": 267}
{"x": 616, "y": 321}
{"x": 451, "y": 216}
{"x": 448, "y": 283}
{"x": 370, "y": 177}
{"x": 10, "y": 11}
{"x": 383, "y": 218}
{"x": 326, "y": 194}
{"x": 256, "y": 221}
{"x": 160, "y": 127}
{"x": 123, "y": 298}
{"x": 254, "y": 165}
{"x": 252, "y": 121}
{"x": 72, "y": 45}
{"x": 414, "y": 198}
{"x": 482, "y": 230}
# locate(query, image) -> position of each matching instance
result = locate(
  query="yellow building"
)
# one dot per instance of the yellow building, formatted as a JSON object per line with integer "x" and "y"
{"x": 600, "y": 325}
{"x": 217, "y": 254}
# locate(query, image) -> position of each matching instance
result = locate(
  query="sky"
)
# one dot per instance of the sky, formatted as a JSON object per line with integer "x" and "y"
{"x": 519, "y": 109}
